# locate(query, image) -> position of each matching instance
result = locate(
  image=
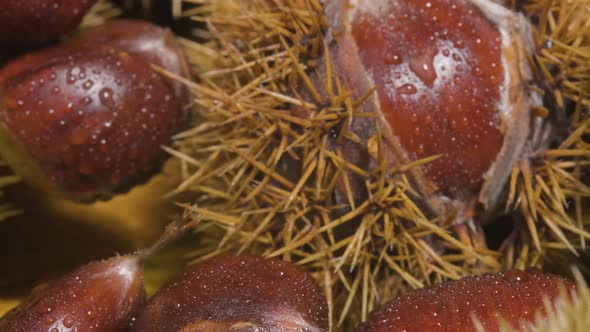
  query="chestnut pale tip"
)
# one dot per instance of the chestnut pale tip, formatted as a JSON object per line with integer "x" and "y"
{"x": 515, "y": 297}
{"x": 100, "y": 296}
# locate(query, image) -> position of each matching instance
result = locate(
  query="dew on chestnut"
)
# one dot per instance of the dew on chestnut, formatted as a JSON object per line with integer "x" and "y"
{"x": 237, "y": 293}
{"x": 90, "y": 120}
{"x": 100, "y": 296}
{"x": 33, "y": 22}
{"x": 155, "y": 45}
{"x": 451, "y": 81}
{"x": 514, "y": 296}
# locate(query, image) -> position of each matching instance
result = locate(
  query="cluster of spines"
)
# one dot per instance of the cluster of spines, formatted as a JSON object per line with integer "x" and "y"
{"x": 247, "y": 134}
{"x": 550, "y": 185}
{"x": 259, "y": 57}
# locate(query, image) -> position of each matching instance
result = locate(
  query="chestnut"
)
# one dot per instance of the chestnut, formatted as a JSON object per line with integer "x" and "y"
{"x": 88, "y": 117}
{"x": 451, "y": 80}
{"x": 514, "y": 296}
{"x": 237, "y": 293}
{"x": 33, "y": 22}
{"x": 100, "y": 296}
{"x": 155, "y": 45}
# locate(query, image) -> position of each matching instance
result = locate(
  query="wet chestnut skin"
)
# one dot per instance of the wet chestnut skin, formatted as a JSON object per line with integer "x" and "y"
{"x": 154, "y": 44}
{"x": 93, "y": 122}
{"x": 33, "y": 22}
{"x": 101, "y": 296}
{"x": 450, "y": 80}
{"x": 438, "y": 69}
{"x": 93, "y": 118}
{"x": 516, "y": 296}
{"x": 237, "y": 293}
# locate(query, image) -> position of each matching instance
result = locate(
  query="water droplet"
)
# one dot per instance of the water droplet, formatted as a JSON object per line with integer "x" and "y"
{"x": 106, "y": 97}
{"x": 87, "y": 85}
{"x": 74, "y": 71}
{"x": 423, "y": 67}
{"x": 68, "y": 322}
{"x": 392, "y": 59}
{"x": 407, "y": 89}
{"x": 49, "y": 320}
{"x": 420, "y": 149}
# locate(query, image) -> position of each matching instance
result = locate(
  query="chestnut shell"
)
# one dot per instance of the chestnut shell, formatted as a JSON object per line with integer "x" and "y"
{"x": 100, "y": 296}
{"x": 33, "y": 22}
{"x": 237, "y": 293}
{"x": 515, "y": 296}
{"x": 475, "y": 189}
{"x": 89, "y": 117}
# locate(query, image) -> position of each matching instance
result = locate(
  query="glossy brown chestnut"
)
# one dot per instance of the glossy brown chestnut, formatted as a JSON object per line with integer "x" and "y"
{"x": 451, "y": 81}
{"x": 237, "y": 293}
{"x": 88, "y": 117}
{"x": 101, "y": 296}
{"x": 515, "y": 296}
{"x": 154, "y": 44}
{"x": 32, "y": 22}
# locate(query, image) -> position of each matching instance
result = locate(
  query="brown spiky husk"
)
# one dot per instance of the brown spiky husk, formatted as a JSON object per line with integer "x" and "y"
{"x": 265, "y": 179}
{"x": 550, "y": 186}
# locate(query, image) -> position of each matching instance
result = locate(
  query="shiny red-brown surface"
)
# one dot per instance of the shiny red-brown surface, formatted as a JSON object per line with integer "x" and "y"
{"x": 30, "y": 22}
{"x": 93, "y": 121}
{"x": 514, "y": 295}
{"x": 437, "y": 66}
{"x": 237, "y": 293}
{"x": 155, "y": 45}
{"x": 101, "y": 296}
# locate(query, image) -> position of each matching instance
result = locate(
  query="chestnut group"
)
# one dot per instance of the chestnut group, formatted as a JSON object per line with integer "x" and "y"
{"x": 250, "y": 293}
{"x": 87, "y": 118}
{"x": 227, "y": 293}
